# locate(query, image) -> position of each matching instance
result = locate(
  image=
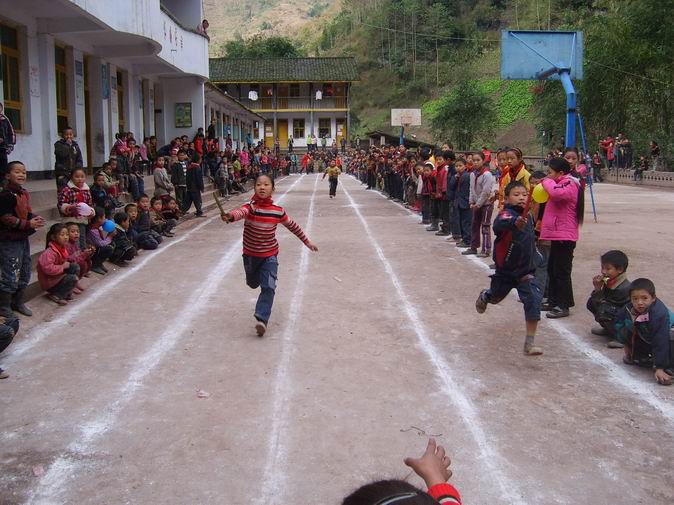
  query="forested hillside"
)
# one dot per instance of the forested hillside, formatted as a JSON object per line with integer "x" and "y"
{"x": 444, "y": 56}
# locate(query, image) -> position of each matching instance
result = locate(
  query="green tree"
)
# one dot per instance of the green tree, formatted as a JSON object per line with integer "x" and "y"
{"x": 465, "y": 114}
{"x": 260, "y": 46}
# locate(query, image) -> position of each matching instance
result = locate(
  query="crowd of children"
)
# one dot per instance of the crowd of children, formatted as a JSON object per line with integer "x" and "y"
{"x": 535, "y": 237}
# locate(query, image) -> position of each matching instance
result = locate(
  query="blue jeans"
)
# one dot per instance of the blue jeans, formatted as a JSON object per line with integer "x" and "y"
{"x": 262, "y": 273}
{"x": 526, "y": 288}
{"x": 14, "y": 265}
{"x": 136, "y": 186}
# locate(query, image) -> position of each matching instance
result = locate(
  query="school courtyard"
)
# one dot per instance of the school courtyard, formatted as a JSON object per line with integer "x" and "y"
{"x": 153, "y": 388}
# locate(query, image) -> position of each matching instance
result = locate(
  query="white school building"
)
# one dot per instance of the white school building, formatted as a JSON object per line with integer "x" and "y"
{"x": 296, "y": 96}
{"x": 104, "y": 66}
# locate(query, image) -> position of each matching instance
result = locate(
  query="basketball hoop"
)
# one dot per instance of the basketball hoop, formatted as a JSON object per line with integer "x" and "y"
{"x": 406, "y": 117}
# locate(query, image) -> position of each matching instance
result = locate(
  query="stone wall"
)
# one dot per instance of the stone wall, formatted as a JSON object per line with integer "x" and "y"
{"x": 650, "y": 178}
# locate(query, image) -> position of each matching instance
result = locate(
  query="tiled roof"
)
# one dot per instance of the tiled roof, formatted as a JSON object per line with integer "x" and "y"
{"x": 282, "y": 69}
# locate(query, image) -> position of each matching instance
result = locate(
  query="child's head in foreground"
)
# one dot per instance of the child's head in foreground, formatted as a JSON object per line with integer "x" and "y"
{"x": 642, "y": 295}
{"x": 516, "y": 194}
{"x": 264, "y": 186}
{"x": 613, "y": 263}
{"x": 389, "y": 492}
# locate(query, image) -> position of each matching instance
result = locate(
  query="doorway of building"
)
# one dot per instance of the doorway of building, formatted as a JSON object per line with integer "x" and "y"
{"x": 282, "y": 126}
{"x": 283, "y": 91}
{"x": 341, "y": 131}
{"x": 269, "y": 134}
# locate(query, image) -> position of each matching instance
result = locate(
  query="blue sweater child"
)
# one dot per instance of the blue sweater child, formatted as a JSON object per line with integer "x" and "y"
{"x": 645, "y": 327}
{"x": 516, "y": 258}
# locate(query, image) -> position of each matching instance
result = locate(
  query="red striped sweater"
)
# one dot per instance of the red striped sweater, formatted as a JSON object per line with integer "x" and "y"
{"x": 259, "y": 230}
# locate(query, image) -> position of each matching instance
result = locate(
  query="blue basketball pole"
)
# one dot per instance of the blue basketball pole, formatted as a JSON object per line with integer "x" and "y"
{"x": 589, "y": 176}
{"x": 570, "y": 107}
{"x": 402, "y": 136}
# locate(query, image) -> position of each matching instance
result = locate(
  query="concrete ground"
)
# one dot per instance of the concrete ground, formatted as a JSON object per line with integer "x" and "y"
{"x": 152, "y": 387}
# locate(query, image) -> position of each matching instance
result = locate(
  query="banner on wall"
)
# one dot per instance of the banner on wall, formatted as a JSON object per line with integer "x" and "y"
{"x": 183, "y": 115}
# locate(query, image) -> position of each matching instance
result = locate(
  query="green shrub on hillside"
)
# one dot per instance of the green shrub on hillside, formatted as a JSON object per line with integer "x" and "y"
{"x": 514, "y": 103}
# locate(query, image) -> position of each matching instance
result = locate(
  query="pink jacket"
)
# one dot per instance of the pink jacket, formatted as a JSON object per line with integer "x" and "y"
{"x": 559, "y": 220}
{"x": 50, "y": 269}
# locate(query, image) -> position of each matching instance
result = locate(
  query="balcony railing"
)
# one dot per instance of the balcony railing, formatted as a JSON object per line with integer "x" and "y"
{"x": 296, "y": 103}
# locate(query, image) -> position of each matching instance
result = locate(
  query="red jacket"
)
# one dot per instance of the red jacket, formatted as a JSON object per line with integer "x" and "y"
{"x": 441, "y": 182}
{"x": 50, "y": 267}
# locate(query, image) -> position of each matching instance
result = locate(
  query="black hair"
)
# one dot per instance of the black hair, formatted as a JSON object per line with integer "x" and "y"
{"x": 539, "y": 174}
{"x": 425, "y": 153}
{"x": 12, "y": 163}
{"x": 99, "y": 212}
{"x": 512, "y": 185}
{"x": 54, "y": 230}
{"x": 120, "y": 217}
{"x": 141, "y": 196}
{"x": 129, "y": 206}
{"x": 645, "y": 284}
{"x": 66, "y": 128}
{"x": 77, "y": 169}
{"x": 448, "y": 155}
{"x": 265, "y": 175}
{"x": 571, "y": 150}
{"x": 154, "y": 199}
{"x": 98, "y": 174}
{"x": 478, "y": 153}
{"x": 559, "y": 165}
{"x": 615, "y": 258}
{"x": 105, "y": 165}
{"x": 384, "y": 490}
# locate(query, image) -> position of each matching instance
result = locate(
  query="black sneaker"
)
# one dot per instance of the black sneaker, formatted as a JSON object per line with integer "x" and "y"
{"x": 469, "y": 252}
{"x": 558, "y": 313}
{"x": 99, "y": 270}
{"x": 3, "y": 374}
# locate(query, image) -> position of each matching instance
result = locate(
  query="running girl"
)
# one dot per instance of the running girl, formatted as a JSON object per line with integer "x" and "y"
{"x": 260, "y": 247}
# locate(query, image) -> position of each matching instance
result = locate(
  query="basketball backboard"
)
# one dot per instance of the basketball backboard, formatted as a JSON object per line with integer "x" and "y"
{"x": 532, "y": 55}
{"x": 405, "y": 117}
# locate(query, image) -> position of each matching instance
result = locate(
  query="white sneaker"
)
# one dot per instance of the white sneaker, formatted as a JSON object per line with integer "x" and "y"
{"x": 261, "y": 328}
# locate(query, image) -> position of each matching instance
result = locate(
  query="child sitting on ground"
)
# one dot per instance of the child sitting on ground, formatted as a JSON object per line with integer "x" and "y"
{"x": 9, "y": 327}
{"x": 170, "y": 209}
{"x": 124, "y": 248}
{"x": 76, "y": 255}
{"x": 101, "y": 240}
{"x": 141, "y": 224}
{"x": 645, "y": 328}
{"x": 611, "y": 293}
{"x": 432, "y": 467}
{"x": 515, "y": 257}
{"x": 57, "y": 276}
{"x": 100, "y": 196}
{"x": 160, "y": 224}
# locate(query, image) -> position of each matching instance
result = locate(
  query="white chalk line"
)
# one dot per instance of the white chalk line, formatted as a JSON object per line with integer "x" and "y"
{"x": 617, "y": 371}
{"x": 274, "y": 472}
{"x": 38, "y": 333}
{"x": 63, "y": 470}
{"x": 489, "y": 455}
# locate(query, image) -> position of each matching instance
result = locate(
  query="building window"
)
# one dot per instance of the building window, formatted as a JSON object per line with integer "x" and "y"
{"x": 295, "y": 90}
{"x": 121, "y": 118}
{"x": 298, "y": 128}
{"x": 10, "y": 70}
{"x": 61, "y": 78}
{"x": 324, "y": 128}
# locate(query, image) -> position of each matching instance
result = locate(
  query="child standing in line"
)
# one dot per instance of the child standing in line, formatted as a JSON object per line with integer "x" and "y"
{"x": 260, "y": 247}
{"x": 611, "y": 293}
{"x": 162, "y": 183}
{"x": 645, "y": 327}
{"x": 427, "y": 190}
{"x": 515, "y": 257}
{"x": 57, "y": 276}
{"x": 462, "y": 204}
{"x": 17, "y": 223}
{"x": 481, "y": 190}
{"x": 543, "y": 246}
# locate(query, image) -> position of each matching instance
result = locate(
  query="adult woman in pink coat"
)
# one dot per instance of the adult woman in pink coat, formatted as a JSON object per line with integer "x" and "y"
{"x": 561, "y": 222}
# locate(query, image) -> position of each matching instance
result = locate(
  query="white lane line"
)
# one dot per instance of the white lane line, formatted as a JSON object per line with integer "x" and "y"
{"x": 65, "y": 468}
{"x": 276, "y": 465}
{"x": 489, "y": 455}
{"x": 617, "y": 371}
{"x": 38, "y": 333}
